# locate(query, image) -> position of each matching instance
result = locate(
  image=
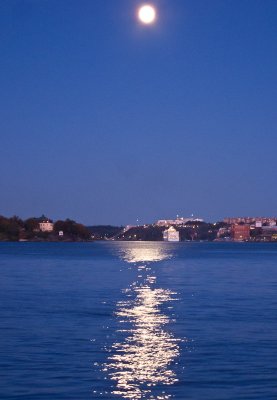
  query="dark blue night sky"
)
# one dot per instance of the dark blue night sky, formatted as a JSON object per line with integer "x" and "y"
{"x": 104, "y": 120}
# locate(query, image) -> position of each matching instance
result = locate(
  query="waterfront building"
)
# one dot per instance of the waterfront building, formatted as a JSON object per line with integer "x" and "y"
{"x": 267, "y": 234}
{"x": 223, "y": 232}
{"x": 241, "y": 233}
{"x": 171, "y": 235}
{"x": 46, "y": 226}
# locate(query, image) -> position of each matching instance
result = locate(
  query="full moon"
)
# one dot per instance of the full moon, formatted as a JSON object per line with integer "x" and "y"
{"x": 147, "y": 14}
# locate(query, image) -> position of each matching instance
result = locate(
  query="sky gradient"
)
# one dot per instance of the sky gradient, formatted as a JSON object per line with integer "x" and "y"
{"x": 104, "y": 120}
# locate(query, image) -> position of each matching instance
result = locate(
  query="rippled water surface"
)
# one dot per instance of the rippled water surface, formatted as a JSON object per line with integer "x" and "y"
{"x": 138, "y": 321}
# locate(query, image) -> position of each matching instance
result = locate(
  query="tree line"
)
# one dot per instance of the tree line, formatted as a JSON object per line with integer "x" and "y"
{"x": 16, "y": 229}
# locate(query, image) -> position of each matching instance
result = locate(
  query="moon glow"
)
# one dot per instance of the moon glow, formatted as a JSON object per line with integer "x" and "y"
{"x": 147, "y": 14}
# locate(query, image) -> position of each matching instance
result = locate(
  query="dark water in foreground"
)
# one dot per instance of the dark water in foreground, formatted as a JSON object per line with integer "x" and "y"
{"x": 138, "y": 321}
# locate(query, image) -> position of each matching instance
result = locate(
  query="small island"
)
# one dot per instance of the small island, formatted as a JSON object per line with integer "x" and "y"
{"x": 42, "y": 229}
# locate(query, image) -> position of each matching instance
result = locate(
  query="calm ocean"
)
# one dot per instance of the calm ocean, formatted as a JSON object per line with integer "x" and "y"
{"x": 138, "y": 320}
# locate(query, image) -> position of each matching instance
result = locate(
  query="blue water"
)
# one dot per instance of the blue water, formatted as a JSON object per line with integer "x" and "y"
{"x": 188, "y": 321}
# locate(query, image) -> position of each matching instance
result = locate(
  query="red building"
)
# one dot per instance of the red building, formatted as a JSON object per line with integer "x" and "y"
{"x": 240, "y": 233}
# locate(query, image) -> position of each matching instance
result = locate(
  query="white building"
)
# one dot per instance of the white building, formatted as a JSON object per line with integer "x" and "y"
{"x": 178, "y": 221}
{"x": 46, "y": 226}
{"x": 165, "y": 222}
{"x": 171, "y": 235}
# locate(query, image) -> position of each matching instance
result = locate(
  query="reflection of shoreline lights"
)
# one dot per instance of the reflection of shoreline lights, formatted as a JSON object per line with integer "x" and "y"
{"x": 142, "y": 361}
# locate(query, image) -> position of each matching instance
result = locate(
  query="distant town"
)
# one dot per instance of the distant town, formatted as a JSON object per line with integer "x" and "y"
{"x": 237, "y": 229}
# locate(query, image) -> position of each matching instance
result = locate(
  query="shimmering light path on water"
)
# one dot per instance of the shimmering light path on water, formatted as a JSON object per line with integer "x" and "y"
{"x": 143, "y": 360}
{"x": 138, "y": 321}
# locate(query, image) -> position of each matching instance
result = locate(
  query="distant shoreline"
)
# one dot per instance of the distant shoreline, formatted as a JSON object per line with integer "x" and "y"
{"x": 43, "y": 229}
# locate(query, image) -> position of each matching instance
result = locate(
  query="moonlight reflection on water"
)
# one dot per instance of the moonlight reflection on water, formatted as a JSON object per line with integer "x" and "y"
{"x": 144, "y": 252}
{"x": 143, "y": 360}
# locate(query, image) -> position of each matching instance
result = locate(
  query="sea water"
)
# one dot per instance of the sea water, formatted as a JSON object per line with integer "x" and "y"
{"x": 138, "y": 320}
